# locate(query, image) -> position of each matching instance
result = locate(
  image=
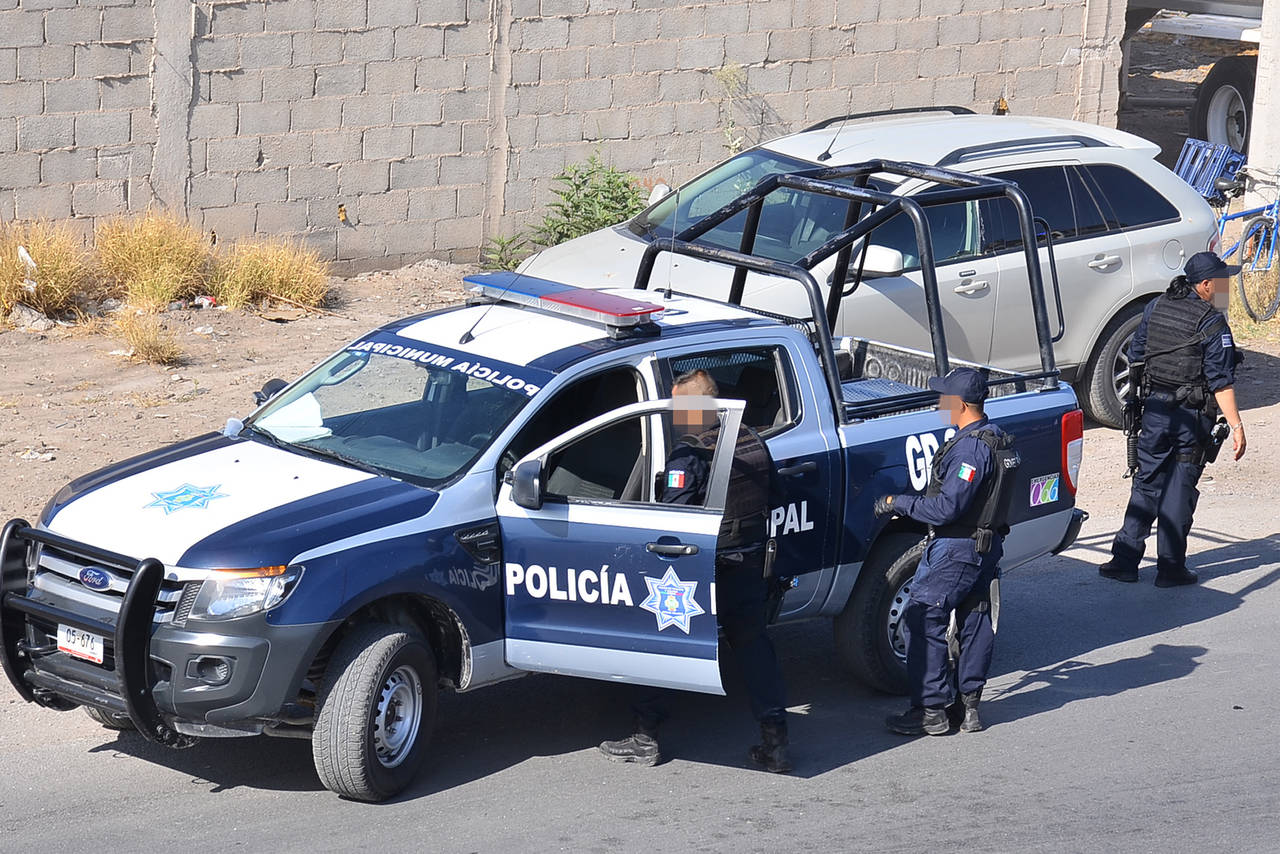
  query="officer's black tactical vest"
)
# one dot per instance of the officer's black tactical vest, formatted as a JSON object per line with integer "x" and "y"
{"x": 989, "y": 510}
{"x": 750, "y": 478}
{"x": 1173, "y": 355}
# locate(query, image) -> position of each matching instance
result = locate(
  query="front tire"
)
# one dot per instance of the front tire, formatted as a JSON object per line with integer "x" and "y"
{"x": 110, "y": 720}
{"x": 377, "y": 709}
{"x": 869, "y": 635}
{"x": 1106, "y": 381}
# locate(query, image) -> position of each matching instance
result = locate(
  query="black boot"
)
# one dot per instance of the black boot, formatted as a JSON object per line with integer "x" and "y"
{"x": 1118, "y": 572}
{"x": 1176, "y": 577}
{"x": 971, "y": 722}
{"x": 771, "y": 754}
{"x": 641, "y": 748}
{"x": 919, "y": 721}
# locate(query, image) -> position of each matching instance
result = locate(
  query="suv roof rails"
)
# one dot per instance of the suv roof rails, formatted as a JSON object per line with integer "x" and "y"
{"x": 901, "y": 111}
{"x": 1009, "y": 146}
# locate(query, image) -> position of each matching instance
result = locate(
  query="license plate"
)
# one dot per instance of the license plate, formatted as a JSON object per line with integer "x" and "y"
{"x": 80, "y": 644}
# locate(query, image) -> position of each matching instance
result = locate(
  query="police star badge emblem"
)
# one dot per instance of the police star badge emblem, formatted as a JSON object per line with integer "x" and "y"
{"x": 671, "y": 601}
{"x": 196, "y": 497}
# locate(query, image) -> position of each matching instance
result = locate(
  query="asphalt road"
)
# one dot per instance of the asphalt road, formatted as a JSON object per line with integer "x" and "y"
{"x": 1123, "y": 717}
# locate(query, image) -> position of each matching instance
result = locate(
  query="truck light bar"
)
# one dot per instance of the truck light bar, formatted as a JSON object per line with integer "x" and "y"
{"x": 583, "y": 303}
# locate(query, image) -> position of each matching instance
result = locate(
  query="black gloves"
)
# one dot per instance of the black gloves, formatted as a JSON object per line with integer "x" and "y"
{"x": 885, "y": 506}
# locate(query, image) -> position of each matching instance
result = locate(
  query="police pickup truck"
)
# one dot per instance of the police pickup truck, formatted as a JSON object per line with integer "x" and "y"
{"x": 466, "y": 495}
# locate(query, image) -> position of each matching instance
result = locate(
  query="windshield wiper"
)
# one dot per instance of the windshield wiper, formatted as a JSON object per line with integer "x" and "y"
{"x": 354, "y": 462}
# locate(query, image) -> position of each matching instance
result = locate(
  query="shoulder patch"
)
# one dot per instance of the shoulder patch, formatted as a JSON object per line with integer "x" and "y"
{"x": 1226, "y": 340}
{"x": 966, "y": 472}
{"x": 675, "y": 479}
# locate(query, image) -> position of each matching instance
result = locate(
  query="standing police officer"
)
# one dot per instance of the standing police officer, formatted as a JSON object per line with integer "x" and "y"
{"x": 1190, "y": 362}
{"x": 964, "y": 506}
{"x": 741, "y": 582}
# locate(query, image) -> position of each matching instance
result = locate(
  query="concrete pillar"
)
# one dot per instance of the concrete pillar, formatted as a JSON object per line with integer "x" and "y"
{"x": 172, "y": 91}
{"x": 1264, "y": 134}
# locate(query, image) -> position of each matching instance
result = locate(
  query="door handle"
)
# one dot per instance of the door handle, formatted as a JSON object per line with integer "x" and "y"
{"x": 1103, "y": 261}
{"x": 972, "y": 287}
{"x": 798, "y": 469}
{"x": 672, "y": 549}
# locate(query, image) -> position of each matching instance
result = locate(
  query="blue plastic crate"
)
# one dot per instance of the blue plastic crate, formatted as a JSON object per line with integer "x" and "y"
{"x": 1202, "y": 163}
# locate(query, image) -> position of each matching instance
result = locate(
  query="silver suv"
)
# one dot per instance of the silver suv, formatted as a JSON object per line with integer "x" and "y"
{"x": 1121, "y": 226}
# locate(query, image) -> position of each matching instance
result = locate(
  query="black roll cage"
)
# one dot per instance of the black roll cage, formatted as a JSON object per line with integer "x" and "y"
{"x": 960, "y": 187}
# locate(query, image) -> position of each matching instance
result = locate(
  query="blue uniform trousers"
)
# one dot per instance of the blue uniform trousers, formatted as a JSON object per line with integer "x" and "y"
{"x": 1164, "y": 487}
{"x": 949, "y": 573}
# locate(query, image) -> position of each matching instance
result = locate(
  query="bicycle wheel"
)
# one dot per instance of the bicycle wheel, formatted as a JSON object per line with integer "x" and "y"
{"x": 1256, "y": 283}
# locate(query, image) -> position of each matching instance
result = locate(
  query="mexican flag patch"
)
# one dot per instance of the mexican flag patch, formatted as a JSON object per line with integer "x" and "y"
{"x": 966, "y": 472}
{"x": 675, "y": 479}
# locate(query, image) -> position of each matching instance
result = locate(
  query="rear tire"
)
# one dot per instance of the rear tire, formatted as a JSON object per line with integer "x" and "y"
{"x": 110, "y": 720}
{"x": 1221, "y": 112}
{"x": 1106, "y": 380}
{"x": 868, "y": 632}
{"x": 377, "y": 709}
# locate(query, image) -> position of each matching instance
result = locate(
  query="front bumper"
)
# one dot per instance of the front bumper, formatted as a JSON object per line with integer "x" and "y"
{"x": 163, "y": 676}
{"x": 1078, "y": 518}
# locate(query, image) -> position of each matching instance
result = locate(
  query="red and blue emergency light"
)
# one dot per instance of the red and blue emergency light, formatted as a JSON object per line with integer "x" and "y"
{"x": 583, "y": 303}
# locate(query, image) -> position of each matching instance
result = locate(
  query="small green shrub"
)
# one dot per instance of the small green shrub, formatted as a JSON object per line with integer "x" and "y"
{"x": 591, "y": 195}
{"x": 504, "y": 253}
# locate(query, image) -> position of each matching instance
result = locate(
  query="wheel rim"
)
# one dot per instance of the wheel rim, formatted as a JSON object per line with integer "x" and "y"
{"x": 894, "y": 625}
{"x": 397, "y": 717}
{"x": 1227, "y": 118}
{"x": 1120, "y": 369}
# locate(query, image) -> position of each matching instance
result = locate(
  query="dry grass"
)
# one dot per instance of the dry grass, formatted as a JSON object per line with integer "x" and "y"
{"x": 147, "y": 338}
{"x": 256, "y": 270}
{"x": 60, "y": 274}
{"x": 153, "y": 259}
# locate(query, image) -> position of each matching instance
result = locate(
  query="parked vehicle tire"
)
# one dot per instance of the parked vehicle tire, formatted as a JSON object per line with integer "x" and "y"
{"x": 376, "y": 711}
{"x": 110, "y": 720}
{"x": 1106, "y": 380}
{"x": 868, "y": 632}
{"x": 1221, "y": 112}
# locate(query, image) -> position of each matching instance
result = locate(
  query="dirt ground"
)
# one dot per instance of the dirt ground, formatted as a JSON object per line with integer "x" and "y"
{"x": 68, "y": 405}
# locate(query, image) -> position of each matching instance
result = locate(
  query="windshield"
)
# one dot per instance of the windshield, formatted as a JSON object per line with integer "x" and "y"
{"x": 423, "y": 416}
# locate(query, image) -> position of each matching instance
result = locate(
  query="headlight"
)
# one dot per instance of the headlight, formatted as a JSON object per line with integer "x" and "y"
{"x": 232, "y": 593}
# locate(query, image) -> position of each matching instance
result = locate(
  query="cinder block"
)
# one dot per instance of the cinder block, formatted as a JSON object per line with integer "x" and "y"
{"x": 392, "y": 13}
{"x": 697, "y": 116}
{"x": 441, "y": 12}
{"x": 65, "y": 166}
{"x": 229, "y": 87}
{"x": 419, "y": 42}
{"x": 920, "y": 34}
{"x": 341, "y": 14}
{"x": 959, "y": 29}
{"x": 387, "y": 143}
{"x": 269, "y": 50}
{"x": 656, "y": 56}
{"x": 8, "y": 64}
{"x": 345, "y": 79}
{"x": 996, "y": 26}
{"x": 8, "y": 135}
{"x": 313, "y": 182}
{"x": 954, "y": 90}
{"x": 465, "y": 106}
{"x": 940, "y": 62}
{"x": 472, "y": 200}
{"x": 940, "y": 8}
{"x": 70, "y": 96}
{"x": 282, "y": 16}
{"x": 282, "y": 218}
{"x": 592, "y": 94}
{"x": 292, "y": 149}
{"x": 811, "y": 76}
{"x": 773, "y": 78}
{"x": 316, "y": 114}
{"x": 637, "y": 26}
{"x": 21, "y": 29}
{"x": 418, "y": 108}
{"x": 358, "y": 242}
{"x": 117, "y": 161}
{"x": 74, "y": 25}
{"x": 237, "y": 18}
{"x": 1042, "y": 23}
{"x": 142, "y": 126}
{"x": 361, "y": 178}
{"x": 338, "y": 146}
{"x": 45, "y": 63}
{"x": 568, "y": 64}
{"x": 725, "y": 19}
{"x": 875, "y": 37}
{"x": 475, "y": 137}
{"x": 211, "y": 190}
{"x": 21, "y": 169}
{"x": 323, "y": 242}
{"x": 437, "y": 139}
{"x": 6, "y": 196}
{"x": 255, "y": 119}
{"x": 471, "y": 40}
{"x": 526, "y": 67}
{"x": 684, "y": 86}
{"x": 590, "y": 30}
{"x": 463, "y": 232}
{"x": 774, "y": 16}
{"x": 1022, "y": 53}
{"x": 98, "y": 198}
{"x": 789, "y": 45}
{"x": 209, "y": 120}
{"x": 982, "y": 57}
{"x": 463, "y": 169}
{"x": 389, "y": 78}
{"x": 42, "y": 133}
{"x": 231, "y": 221}
{"x": 271, "y": 185}
{"x": 912, "y": 93}
{"x": 234, "y": 154}
{"x": 895, "y": 68}
{"x": 366, "y": 110}
{"x": 289, "y": 85}
{"x": 197, "y": 149}
{"x": 127, "y": 24}
{"x": 124, "y": 93}
{"x": 746, "y": 48}
{"x": 406, "y": 240}
{"x": 418, "y": 172}
{"x": 1035, "y": 83}
{"x": 140, "y": 55}
{"x": 830, "y": 42}
{"x": 368, "y": 45}
{"x": 554, "y": 130}
{"x": 540, "y": 34}
{"x": 434, "y": 204}
{"x": 437, "y": 73}
{"x": 42, "y": 203}
{"x": 319, "y": 48}
{"x": 700, "y": 53}
{"x": 639, "y": 90}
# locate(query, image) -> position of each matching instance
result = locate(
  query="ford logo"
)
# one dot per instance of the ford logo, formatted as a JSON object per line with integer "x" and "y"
{"x": 95, "y": 578}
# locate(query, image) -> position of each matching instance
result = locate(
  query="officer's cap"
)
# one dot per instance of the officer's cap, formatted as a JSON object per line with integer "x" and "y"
{"x": 1206, "y": 265}
{"x": 965, "y": 383}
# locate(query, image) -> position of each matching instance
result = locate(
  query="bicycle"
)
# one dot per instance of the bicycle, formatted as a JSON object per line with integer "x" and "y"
{"x": 1218, "y": 173}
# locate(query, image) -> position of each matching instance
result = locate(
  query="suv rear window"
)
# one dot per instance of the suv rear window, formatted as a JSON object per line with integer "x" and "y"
{"x": 1128, "y": 200}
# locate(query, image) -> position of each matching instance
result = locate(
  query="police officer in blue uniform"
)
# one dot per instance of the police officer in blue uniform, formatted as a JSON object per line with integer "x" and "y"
{"x": 741, "y": 583}
{"x": 964, "y": 507}
{"x": 1189, "y": 359}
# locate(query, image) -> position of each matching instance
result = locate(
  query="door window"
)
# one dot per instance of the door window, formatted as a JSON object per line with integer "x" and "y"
{"x": 1089, "y": 218}
{"x": 755, "y": 376}
{"x": 1050, "y": 197}
{"x": 1128, "y": 200}
{"x": 953, "y": 228}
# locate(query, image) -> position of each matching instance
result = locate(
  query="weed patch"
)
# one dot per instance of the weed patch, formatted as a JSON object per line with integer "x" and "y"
{"x": 259, "y": 270}
{"x": 152, "y": 260}
{"x": 147, "y": 338}
{"x": 59, "y": 273}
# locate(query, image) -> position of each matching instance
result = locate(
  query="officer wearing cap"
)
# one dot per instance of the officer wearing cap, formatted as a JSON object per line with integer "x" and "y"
{"x": 1189, "y": 361}
{"x": 961, "y": 558}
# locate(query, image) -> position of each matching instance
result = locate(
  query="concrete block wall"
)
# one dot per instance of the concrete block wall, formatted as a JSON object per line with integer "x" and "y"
{"x": 438, "y": 123}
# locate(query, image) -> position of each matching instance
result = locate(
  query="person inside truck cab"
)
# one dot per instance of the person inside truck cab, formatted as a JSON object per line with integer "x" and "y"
{"x": 741, "y": 573}
{"x": 964, "y": 506}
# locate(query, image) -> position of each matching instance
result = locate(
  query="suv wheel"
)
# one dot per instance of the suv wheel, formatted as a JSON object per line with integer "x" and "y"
{"x": 376, "y": 713}
{"x": 1106, "y": 382}
{"x": 110, "y": 720}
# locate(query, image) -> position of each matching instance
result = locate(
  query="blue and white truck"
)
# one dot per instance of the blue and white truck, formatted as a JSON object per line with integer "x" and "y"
{"x": 464, "y": 496}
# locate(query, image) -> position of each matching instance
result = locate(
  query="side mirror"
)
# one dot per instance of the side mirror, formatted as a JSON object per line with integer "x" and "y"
{"x": 659, "y": 192}
{"x": 881, "y": 262}
{"x": 269, "y": 390}
{"x": 526, "y": 485}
